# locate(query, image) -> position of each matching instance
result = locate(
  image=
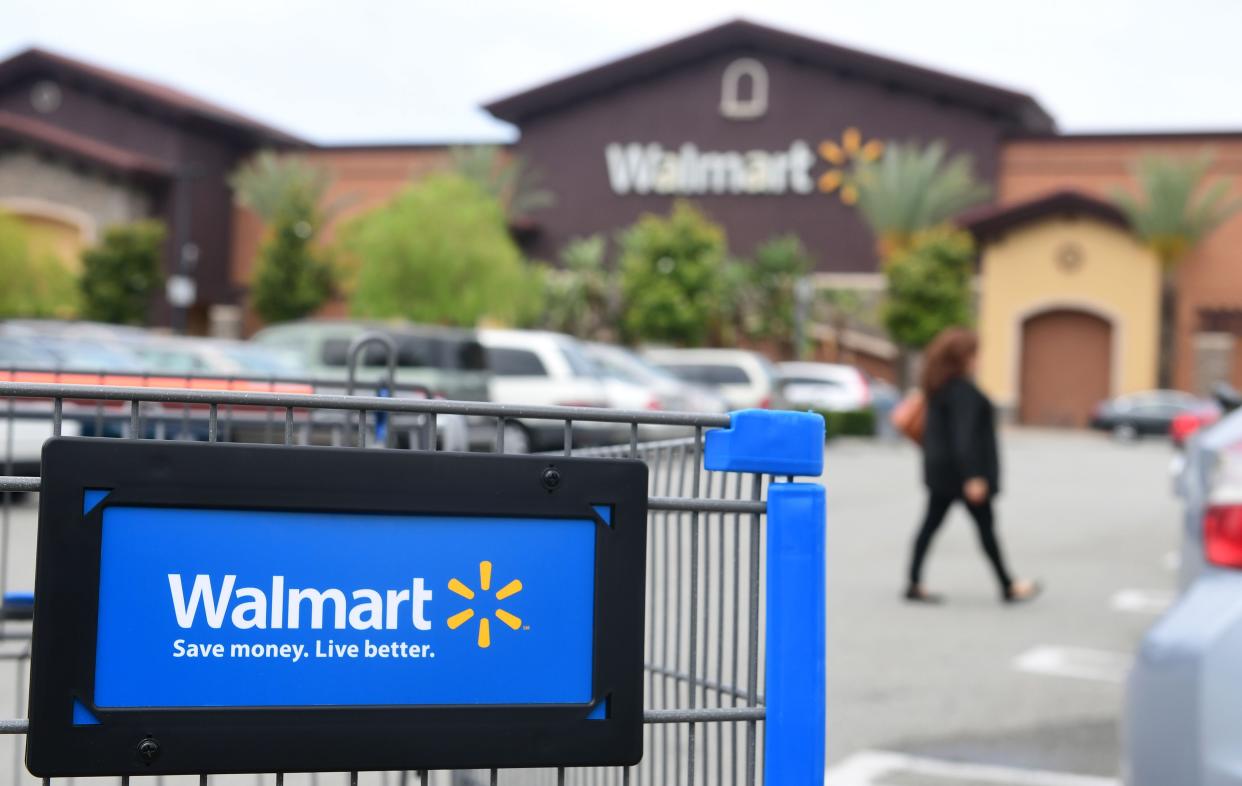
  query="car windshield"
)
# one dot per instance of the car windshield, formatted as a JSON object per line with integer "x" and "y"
{"x": 579, "y": 364}
{"x": 78, "y": 355}
{"x": 616, "y": 365}
{"x": 263, "y": 361}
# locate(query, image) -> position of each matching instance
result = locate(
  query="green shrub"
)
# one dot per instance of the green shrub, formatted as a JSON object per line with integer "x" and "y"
{"x": 854, "y": 423}
{"x": 675, "y": 278}
{"x": 767, "y": 296}
{"x": 929, "y": 286}
{"x": 439, "y": 252}
{"x": 292, "y": 277}
{"x": 122, "y": 274}
{"x": 33, "y": 282}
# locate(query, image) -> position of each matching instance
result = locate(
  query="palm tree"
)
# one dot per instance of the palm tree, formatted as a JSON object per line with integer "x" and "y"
{"x": 507, "y": 177}
{"x": 271, "y": 184}
{"x": 1173, "y": 212}
{"x": 912, "y": 188}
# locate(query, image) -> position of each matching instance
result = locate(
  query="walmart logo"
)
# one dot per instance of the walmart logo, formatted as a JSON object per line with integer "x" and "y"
{"x": 843, "y": 159}
{"x": 485, "y": 585}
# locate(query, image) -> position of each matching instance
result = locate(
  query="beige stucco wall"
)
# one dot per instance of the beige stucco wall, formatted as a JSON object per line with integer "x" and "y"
{"x": 1209, "y": 277}
{"x": 1116, "y": 278}
{"x": 29, "y": 183}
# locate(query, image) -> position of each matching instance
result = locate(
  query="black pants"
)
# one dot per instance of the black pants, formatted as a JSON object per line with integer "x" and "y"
{"x": 937, "y": 507}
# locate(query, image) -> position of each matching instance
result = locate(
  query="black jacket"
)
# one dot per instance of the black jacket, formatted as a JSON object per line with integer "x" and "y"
{"x": 959, "y": 439}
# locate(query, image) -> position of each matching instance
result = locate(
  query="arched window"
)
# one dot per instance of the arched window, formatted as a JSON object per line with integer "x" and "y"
{"x": 744, "y": 89}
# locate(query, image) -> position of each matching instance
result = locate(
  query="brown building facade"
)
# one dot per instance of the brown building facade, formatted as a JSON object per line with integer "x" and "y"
{"x": 83, "y": 148}
{"x": 756, "y": 126}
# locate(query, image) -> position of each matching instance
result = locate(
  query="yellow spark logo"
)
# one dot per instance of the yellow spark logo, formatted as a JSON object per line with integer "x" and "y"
{"x": 485, "y": 585}
{"x": 850, "y": 150}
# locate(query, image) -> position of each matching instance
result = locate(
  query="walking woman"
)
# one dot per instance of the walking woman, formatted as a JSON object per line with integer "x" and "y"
{"x": 960, "y": 459}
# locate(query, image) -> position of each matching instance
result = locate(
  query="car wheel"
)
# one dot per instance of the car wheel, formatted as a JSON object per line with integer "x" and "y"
{"x": 517, "y": 438}
{"x": 1125, "y": 432}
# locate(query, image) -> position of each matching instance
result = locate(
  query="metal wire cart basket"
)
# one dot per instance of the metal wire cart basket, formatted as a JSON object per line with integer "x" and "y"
{"x": 733, "y": 682}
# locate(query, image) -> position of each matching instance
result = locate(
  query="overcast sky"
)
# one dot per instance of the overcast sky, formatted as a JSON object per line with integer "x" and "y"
{"x": 404, "y": 71}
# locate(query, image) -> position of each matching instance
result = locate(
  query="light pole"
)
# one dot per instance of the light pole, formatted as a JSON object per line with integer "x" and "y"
{"x": 804, "y": 293}
{"x": 181, "y": 289}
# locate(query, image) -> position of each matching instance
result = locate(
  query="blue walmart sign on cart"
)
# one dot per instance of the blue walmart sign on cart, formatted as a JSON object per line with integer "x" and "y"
{"x": 220, "y": 608}
{"x": 339, "y": 609}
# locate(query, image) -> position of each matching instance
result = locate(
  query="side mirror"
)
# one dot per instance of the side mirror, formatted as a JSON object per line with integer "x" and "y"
{"x": 1227, "y": 396}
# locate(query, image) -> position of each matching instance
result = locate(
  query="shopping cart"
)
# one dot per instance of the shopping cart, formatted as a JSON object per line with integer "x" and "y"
{"x": 734, "y": 645}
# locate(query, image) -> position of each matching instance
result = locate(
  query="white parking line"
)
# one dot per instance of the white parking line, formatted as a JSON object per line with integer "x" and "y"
{"x": 866, "y": 768}
{"x": 1077, "y": 662}
{"x": 1142, "y": 601}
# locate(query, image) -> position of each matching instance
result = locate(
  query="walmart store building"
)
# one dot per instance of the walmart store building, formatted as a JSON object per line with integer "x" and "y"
{"x": 754, "y": 125}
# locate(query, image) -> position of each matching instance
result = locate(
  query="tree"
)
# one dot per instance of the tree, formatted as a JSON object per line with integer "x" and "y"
{"x": 293, "y": 277}
{"x": 507, "y": 177}
{"x": 36, "y": 282}
{"x": 769, "y": 290}
{"x": 271, "y": 184}
{"x": 581, "y": 296}
{"x": 675, "y": 278}
{"x": 842, "y": 306}
{"x": 123, "y": 273}
{"x": 911, "y": 188}
{"x": 929, "y": 286}
{"x": 439, "y": 252}
{"x": 1173, "y": 212}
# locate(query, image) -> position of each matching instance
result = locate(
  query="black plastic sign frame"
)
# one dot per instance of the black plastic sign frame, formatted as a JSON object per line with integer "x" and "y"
{"x": 222, "y": 477}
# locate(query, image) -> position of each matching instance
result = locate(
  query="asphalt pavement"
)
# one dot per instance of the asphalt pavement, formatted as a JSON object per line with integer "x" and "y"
{"x": 974, "y": 692}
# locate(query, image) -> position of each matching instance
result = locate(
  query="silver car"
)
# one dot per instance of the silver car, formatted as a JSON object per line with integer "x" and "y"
{"x": 1183, "y": 717}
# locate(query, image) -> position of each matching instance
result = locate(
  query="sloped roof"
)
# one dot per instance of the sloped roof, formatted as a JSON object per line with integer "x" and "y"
{"x": 1020, "y": 110}
{"x": 51, "y": 137}
{"x": 35, "y": 61}
{"x": 989, "y": 222}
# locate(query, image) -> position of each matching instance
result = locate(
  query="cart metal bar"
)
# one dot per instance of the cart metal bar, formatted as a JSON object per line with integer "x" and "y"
{"x": 729, "y": 714}
{"x": 691, "y": 505}
{"x": 794, "y": 728}
{"x": 363, "y": 403}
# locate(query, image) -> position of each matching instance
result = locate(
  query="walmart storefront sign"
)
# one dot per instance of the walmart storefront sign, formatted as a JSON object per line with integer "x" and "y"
{"x": 330, "y": 609}
{"x": 637, "y": 168}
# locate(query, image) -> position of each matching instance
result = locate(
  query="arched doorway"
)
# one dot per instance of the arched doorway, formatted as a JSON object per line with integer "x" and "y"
{"x": 59, "y": 230}
{"x": 1067, "y": 361}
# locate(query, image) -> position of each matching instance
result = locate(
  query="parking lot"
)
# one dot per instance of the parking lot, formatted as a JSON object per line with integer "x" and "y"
{"x": 972, "y": 692}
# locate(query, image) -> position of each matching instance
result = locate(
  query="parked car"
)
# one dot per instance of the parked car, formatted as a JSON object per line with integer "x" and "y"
{"x": 830, "y": 387}
{"x": 746, "y": 380}
{"x": 671, "y": 392}
{"x": 1148, "y": 413}
{"x": 1182, "y": 713}
{"x": 217, "y": 357}
{"x": 26, "y": 424}
{"x": 448, "y": 361}
{"x": 24, "y": 427}
{"x": 539, "y": 367}
{"x": 634, "y": 383}
{"x": 80, "y": 354}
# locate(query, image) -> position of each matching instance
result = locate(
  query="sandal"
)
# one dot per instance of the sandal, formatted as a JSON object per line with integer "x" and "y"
{"x": 1022, "y": 591}
{"x": 916, "y": 594}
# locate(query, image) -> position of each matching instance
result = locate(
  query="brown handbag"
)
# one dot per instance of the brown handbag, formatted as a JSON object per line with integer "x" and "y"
{"x": 910, "y": 416}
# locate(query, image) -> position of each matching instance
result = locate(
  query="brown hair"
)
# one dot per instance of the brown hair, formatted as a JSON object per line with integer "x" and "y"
{"x": 947, "y": 357}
